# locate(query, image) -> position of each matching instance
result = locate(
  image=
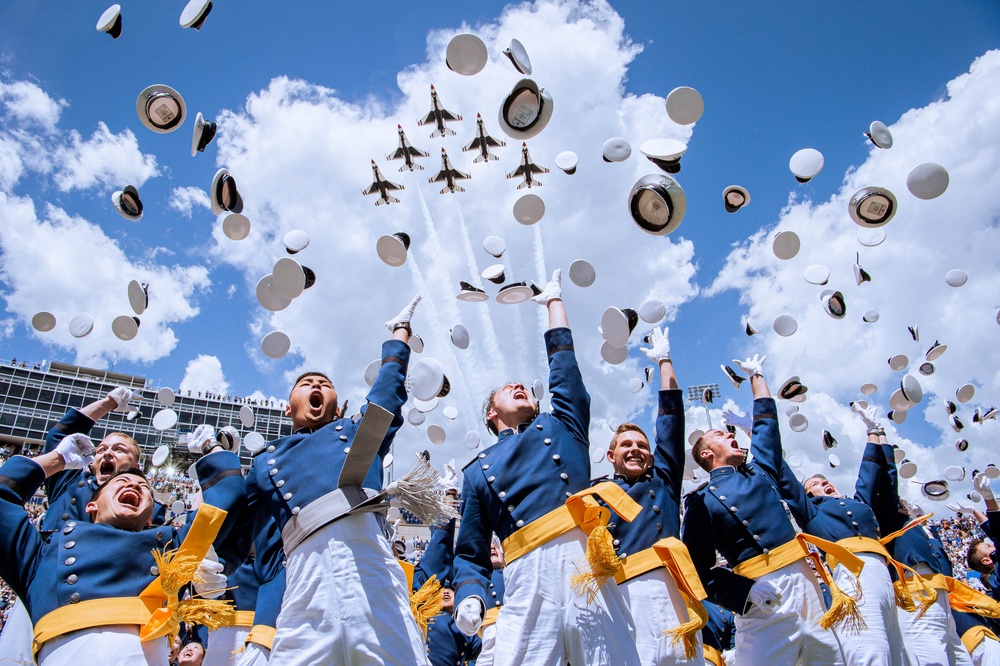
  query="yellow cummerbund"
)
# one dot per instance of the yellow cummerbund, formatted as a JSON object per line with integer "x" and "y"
{"x": 779, "y": 557}
{"x": 489, "y": 618}
{"x": 580, "y": 510}
{"x": 713, "y": 656}
{"x": 92, "y": 613}
{"x": 859, "y": 544}
{"x": 261, "y": 635}
{"x": 243, "y": 619}
{"x": 637, "y": 564}
{"x": 973, "y": 637}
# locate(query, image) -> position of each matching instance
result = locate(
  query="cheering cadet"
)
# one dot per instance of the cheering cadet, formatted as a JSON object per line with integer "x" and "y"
{"x": 346, "y": 600}
{"x": 522, "y": 489}
{"x": 772, "y": 589}
{"x": 657, "y": 577}
{"x": 823, "y": 512}
{"x": 106, "y": 587}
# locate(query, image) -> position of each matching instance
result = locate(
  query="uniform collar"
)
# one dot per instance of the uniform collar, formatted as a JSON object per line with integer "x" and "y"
{"x": 507, "y": 432}
{"x": 648, "y": 476}
{"x": 722, "y": 471}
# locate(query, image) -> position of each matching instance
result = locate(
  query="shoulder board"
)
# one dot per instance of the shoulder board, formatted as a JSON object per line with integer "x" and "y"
{"x": 696, "y": 491}
{"x": 470, "y": 462}
{"x": 600, "y": 479}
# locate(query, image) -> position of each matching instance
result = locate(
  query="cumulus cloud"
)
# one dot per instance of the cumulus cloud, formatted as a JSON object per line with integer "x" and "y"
{"x": 924, "y": 241}
{"x": 301, "y": 156}
{"x": 105, "y": 160}
{"x": 184, "y": 199}
{"x": 64, "y": 264}
{"x": 29, "y": 104}
{"x": 204, "y": 373}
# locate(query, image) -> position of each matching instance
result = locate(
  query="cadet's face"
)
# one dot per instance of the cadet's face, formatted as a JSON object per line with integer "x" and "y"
{"x": 112, "y": 454}
{"x": 447, "y": 600}
{"x": 631, "y": 456}
{"x": 821, "y": 488}
{"x": 496, "y": 556}
{"x": 126, "y": 503}
{"x": 191, "y": 655}
{"x": 313, "y": 403}
{"x": 723, "y": 448}
{"x": 513, "y": 404}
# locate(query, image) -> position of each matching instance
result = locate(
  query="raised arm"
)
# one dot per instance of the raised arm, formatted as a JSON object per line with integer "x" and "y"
{"x": 668, "y": 459}
{"x": 472, "y": 564}
{"x": 20, "y": 477}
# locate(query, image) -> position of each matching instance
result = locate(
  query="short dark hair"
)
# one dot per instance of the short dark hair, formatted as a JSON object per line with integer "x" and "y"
{"x": 310, "y": 373}
{"x": 972, "y": 559}
{"x": 696, "y": 450}
{"x": 135, "y": 471}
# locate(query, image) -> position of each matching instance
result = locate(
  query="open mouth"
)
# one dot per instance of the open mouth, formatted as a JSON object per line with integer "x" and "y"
{"x": 107, "y": 467}
{"x": 130, "y": 497}
{"x": 316, "y": 399}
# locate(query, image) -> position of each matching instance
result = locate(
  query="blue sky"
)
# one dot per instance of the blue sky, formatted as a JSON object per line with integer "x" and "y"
{"x": 775, "y": 79}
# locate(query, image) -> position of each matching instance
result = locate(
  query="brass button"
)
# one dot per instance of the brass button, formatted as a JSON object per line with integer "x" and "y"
{"x": 485, "y": 467}
{"x": 502, "y": 494}
{"x": 656, "y": 508}
{"x": 520, "y": 523}
{"x": 555, "y": 457}
{"x": 564, "y": 476}
{"x": 338, "y": 428}
{"x": 72, "y": 500}
{"x": 270, "y": 449}
{"x": 347, "y": 449}
{"x": 273, "y": 471}
{"x": 722, "y": 497}
{"x": 67, "y": 530}
{"x": 65, "y": 516}
{"x": 490, "y": 479}
{"x": 343, "y": 438}
{"x": 69, "y": 544}
{"x": 71, "y": 579}
{"x": 538, "y": 425}
{"x": 74, "y": 598}
{"x": 287, "y": 496}
{"x": 510, "y": 508}
{"x": 547, "y": 441}
{"x": 70, "y": 561}
{"x": 295, "y": 510}
{"x": 270, "y": 462}
{"x": 482, "y": 455}
{"x": 279, "y": 482}
{"x": 79, "y": 484}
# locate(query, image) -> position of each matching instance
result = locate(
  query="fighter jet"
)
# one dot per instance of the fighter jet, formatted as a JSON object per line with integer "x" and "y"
{"x": 483, "y": 142}
{"x": 438, "y": 116}
{"x": 448, "y": 174}
{"x": 382, "y": 186}
{"x": 406, "y": 152}
{"x": 527, "y": 169}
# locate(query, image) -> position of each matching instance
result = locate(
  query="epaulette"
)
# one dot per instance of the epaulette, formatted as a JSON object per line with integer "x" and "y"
{"x": 257, "y": 453}
{"x": 600, "y": 479}
{"x": 696, "y": 491}
{"x": 470, "y": 462}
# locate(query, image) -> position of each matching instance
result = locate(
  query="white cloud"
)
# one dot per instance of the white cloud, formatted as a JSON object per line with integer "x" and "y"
{"x": 924, "y": 241}
{"x": 301, "y": 157}
{"x": 184, "y": 199}
{"x": 29, "y": 104}
{"x": 204, "y": 373}
{"x": 66, "y": 265}
{"x": 105, "y": 160}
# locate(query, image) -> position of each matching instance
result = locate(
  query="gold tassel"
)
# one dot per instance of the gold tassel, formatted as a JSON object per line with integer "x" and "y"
{"x": 689, "y": 631}
{"x": 904, "y": 596}
{"x": 603, "y": 560}
{"x": 427, "y": 602}
{"x": 211, "y": 613}
{"x": 176, "y": 570}
{"x": 843, "y": 613}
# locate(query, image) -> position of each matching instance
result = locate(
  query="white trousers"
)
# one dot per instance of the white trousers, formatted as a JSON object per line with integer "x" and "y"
{"x": 932, "y": 639}
{"x": 657, "y": 606}
{"x": 545, "y": 623}
{"x": 485, "y": 657}
{"x": 791, "y": 635}
{"x": 114, "y": 645}
{"x": 881, "y": 644}
{"x": 987, "y": 653}
{"x": 253, "y": 655}
{"x": 346, "y": 601}
{"x": 17, "y": 637}
{"x": 225, "y": 645}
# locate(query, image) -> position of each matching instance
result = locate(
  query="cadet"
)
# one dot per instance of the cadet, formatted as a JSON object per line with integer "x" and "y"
{"x": 269, "y": 569}
{"x": 719, "y": 635}
{"x": 494, "y": 602}
{"x": 90, "y": 587}
{"x": 823, "y": 512}
{"x": 345, "y": 599}
{"x": 772, "y": 589}
{"x": 518, "y": 489}
{"x": 666, "y": 604}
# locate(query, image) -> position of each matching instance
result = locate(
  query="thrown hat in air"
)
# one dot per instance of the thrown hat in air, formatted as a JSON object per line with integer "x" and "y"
{"x": 247, "y": 417}
{"x": 879, "y": 135}
{"x": 935, "y": 351}
{"x": 911, "y": 388}
{"x": 392, "y": 249}
{"x": 517, "y": 292}
{"x": 965, "y": 392}
{"x": 290, "y": 278}
{"x": 735, "y": 197}
{"x": 526, "y": 110}
{"x": 786, "y": 245}
{"x": 582, "y": 273}
{"x": 734, "y": 379}
{"x": 466, "y": 54}
{"x": 616, "y": 149}
{"x": 833, "y": 303}
{"x": 295, "y": 241}
{"x": 618, "y": 324}
{"x": 236, "y": 226}
{"x": 652, "y": 310}
{"x": 165, "y": 419}
{"x": 567, "y": 160}
{"x": 613, "y": 355}
{"x": 798, "y": 422}
{"x": 785, "y": 325}
{"x": 793, "y": 388}
{"x": 529, "y": 209}
{"x": 138, "y": 296}
{"x": 518, "y": 57}
{"x": 127, "y": 203}
{"x": 927, "y": 181}
{"x": 817, "y": 274}
{"x": 204, "y": 132}
{"x": 664, "y": 153}
{"x": 460, "y": 336}
{"x": 657, "y": 204}
{"x": 427, "y": 380}
{"x": 125, "y": 327}
{"x": 161, "y": 108}
{"x": 81, "y": 325}
{"x": 871, "y": 237}
{"x": 872, "y": 207}
{"x": 806, "y": 164}
{"x": 860, "y": 275}
{"x": 956, "y": 277}
{"x": 43, "y": 321}
{"x": 275, "y": 344}
{"x": 111, "y": 21}
{"x": 194, "y": 14}
{"x": 495, "y": 246}
{"x": 870, "y": 316}
{"x": 224, "y": 195}
{"x": 685, "y": 105}
{"x": 268, "y": 296}
{"x": 471, "y": 294}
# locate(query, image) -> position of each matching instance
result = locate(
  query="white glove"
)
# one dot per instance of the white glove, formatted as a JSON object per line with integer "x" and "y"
{"x": 659, "y": 346}
{"x": 202, "y": 439}
{"x": 982, "y": 485}
{"x": 405, "y": 315}
{"x": 209, "y": 581}
{"x": 121, "y": 396}
{"x": 744, "y": 423}
{"x": 552, "y": 291}
{"x": 766, "y": 596}
{"x": 469, "y": 615}
{"x": 752, "y": 366}
{"x": 960, "y": 508}
{"x": 869, "y": 416}
{"x": 76, "y": 450}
